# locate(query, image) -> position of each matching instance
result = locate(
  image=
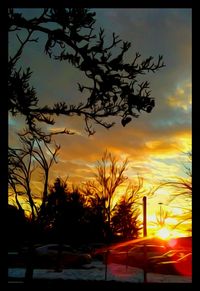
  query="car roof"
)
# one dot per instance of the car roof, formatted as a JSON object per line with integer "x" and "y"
{"x": 148, "y": 247}
{"x": 53, "y": 245}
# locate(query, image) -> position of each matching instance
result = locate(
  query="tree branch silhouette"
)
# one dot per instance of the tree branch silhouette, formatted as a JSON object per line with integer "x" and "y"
{"x": 115, "y": 90}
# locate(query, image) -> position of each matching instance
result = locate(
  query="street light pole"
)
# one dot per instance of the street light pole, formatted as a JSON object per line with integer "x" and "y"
{"x": 160, "y": 203}
{"x": 144, "y": 216}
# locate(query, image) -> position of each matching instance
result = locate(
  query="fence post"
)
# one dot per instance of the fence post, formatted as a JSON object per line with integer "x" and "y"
{"x": 144, "y": 235}
{"x": 106, "y": 264}
{"x": 29, "y": 263}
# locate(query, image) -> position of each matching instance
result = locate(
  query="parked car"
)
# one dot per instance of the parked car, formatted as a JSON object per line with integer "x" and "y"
{"x": 135, "y": 256}
{"x": 49, "y": 254}
{"x": 91, "y": 248}
{"x": 171, "y": 255}
{"x": 182, "y": 266}
{"x": 138, "y": 256}
{"x": 15, "y": 260}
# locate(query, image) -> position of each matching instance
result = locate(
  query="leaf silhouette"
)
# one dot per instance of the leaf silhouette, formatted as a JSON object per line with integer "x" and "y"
{"x": 126, "y": 120}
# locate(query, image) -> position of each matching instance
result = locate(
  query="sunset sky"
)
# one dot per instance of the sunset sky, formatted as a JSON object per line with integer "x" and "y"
{"x": 154, "y": 143}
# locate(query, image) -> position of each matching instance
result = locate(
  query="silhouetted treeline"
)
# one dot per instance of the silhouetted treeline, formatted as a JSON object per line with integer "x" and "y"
{"x": 71, "y": 217}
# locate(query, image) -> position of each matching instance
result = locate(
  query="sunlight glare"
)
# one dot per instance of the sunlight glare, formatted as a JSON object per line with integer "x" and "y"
{"x": 163, "y": 233}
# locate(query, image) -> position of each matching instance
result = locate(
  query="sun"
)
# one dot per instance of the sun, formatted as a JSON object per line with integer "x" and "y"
{"x": 163, "y": 233}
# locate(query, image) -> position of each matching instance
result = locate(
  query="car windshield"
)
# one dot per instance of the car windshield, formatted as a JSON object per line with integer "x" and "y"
{"x": 176, "y": 252}
{"x": 149, "y": 248}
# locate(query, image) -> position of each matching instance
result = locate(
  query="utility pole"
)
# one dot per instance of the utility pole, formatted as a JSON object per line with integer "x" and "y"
{"x": 144, "y": 216}
{"x": 160, "y": 203}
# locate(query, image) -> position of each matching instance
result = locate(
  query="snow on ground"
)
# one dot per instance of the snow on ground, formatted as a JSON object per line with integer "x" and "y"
{"x": 97, "y": 271}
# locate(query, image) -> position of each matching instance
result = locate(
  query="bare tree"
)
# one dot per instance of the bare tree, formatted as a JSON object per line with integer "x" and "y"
{"x": 23, "y": 162}
{"x": 182, "y": 188}
{"x": 108, "y": 177}
{"x": 19, "y": 175}
{"x": 161, "y": 216}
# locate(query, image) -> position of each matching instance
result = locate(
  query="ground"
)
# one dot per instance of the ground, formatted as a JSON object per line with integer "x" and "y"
{"x": 96, "y": 271}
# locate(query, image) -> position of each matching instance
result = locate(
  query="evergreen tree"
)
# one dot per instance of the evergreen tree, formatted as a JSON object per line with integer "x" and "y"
{"x": 125, "y": 220}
